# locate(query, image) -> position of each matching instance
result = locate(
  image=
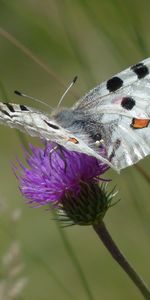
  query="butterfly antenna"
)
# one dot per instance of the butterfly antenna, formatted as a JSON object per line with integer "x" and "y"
{"x": 32, "y": 98}
{"x": 66, "y": 91}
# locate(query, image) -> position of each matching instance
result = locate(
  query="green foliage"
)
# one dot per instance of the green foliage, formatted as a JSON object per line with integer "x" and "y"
{"x": 42, "y": 46}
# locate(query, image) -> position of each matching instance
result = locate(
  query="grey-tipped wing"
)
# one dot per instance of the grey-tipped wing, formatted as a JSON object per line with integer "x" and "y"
{"x": 23, "y": 118}
{"x": 36, "y": 123}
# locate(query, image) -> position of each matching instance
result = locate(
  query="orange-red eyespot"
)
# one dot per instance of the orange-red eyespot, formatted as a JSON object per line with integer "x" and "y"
{"x": 140, "y": 123}
{"x": 73, "y": 140}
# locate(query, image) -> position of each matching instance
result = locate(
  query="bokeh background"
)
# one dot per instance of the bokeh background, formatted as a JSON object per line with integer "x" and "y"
{"x": 43, "y": 45}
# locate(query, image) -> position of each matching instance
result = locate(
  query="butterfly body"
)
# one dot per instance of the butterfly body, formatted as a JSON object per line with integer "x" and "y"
{"x": 114, "y": 116}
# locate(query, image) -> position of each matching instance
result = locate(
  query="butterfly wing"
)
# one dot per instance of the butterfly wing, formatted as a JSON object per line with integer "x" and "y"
{"x": 133, "y": 81}
{"x": 128, "y": 145}
{"x": 36, "y": 123}
{"x": 121, "y": 107}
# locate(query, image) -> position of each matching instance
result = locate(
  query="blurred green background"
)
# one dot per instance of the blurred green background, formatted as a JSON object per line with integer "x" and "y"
{"x": 43, "y": 45}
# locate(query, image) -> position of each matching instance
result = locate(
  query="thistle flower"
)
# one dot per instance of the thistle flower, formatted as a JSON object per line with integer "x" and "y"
{"x": 67, "y": 180}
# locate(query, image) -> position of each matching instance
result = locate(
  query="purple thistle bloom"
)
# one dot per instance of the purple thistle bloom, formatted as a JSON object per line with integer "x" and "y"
{"x": 50, "y": 175}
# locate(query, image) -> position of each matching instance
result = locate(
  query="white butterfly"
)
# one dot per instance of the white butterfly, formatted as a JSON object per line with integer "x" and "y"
{"x": 114, "y": 115}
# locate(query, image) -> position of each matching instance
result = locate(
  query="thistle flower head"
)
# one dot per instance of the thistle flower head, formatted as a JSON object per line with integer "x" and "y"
{"x": 66, "y": 179}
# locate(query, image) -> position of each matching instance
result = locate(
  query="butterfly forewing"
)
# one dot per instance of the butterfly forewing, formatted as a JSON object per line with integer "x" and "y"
{"x": 135, "y": 79}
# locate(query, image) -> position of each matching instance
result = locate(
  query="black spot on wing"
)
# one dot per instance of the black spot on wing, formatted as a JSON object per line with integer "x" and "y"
{"x": 127, "y": 103}
{"x": 114, "y": 84}
{"x": 5, "y": 113}
{"x": 140, "y": 70}
{"x": 51, "y": 125}
{"x": 23, "y": 107}
{"x": 10, "y": 106}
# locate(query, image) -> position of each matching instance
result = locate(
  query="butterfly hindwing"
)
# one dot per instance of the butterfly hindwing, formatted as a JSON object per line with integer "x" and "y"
{"x": 127, "y": 145}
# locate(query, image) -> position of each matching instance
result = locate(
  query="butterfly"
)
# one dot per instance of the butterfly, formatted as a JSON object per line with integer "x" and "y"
{"x": 115, "y": 115}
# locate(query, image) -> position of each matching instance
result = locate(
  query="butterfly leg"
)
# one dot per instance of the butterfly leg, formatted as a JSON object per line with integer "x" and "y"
{"x": 55, "y": 148}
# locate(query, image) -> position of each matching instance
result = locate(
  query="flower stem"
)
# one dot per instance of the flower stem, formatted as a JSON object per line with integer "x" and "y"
{"x": 107, "y": 240}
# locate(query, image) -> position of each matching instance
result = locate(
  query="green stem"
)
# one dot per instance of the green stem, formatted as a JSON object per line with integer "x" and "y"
{"x": 107, "y": 240}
